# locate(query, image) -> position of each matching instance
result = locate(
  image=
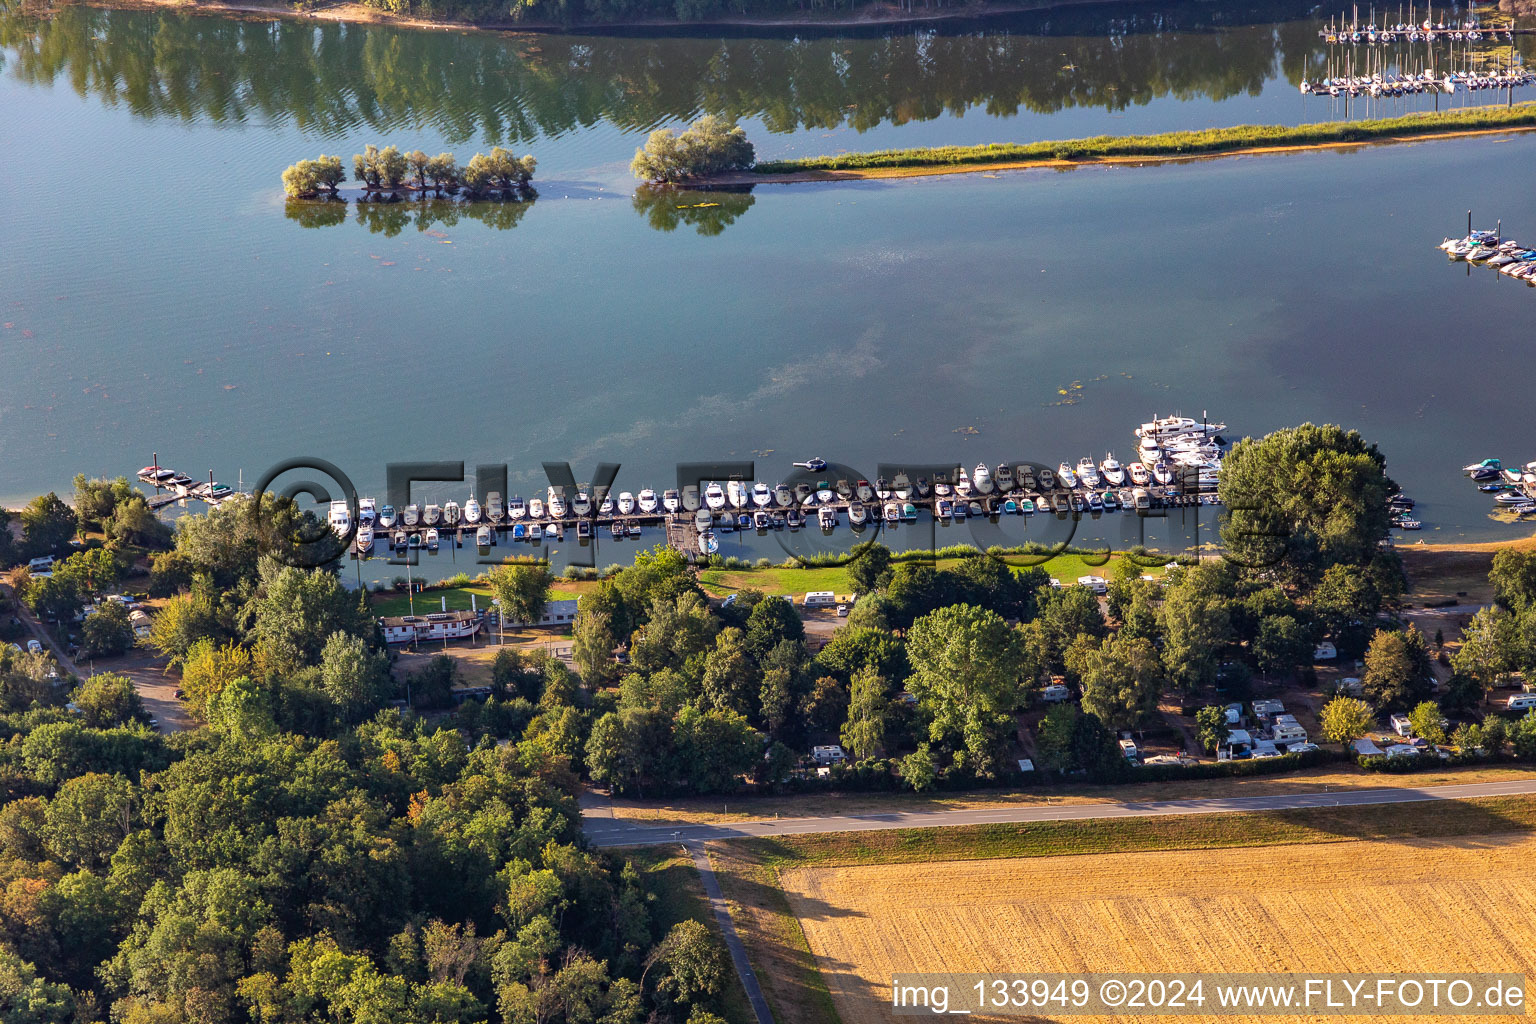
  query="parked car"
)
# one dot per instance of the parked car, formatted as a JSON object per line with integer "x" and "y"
{"x": 1055, "y": 693}
{"x": 34, "y": 647}
{"x": 1325, "y": 651}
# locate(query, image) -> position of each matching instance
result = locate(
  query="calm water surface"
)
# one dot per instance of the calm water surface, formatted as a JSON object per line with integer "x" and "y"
{"x": 161, "y": 295}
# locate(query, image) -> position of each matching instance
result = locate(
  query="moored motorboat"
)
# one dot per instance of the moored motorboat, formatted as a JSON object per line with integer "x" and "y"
{"x": 626, "y": 503}
{"x": 1004, "y": 477}
{"x": 519, "y": 531}
{"x": 483, "y": 535}
{"x": 1114, "y": 473}
{"x": 581, "y": 504}
{"x": 535, "y": 531}
{"x": 431, "y": 539}
{"x": 606, "y": 506}
{"x": 1067, "y": 477}
{"x": 432, "y": 515}
{"x": 827, "y": 517}
{"x": 708, "y": 543}
{"x": 1047, "y": 479}
{"x": 761, "y": 519}
{"x": 782, "y": 496}
{"x": 863, "y": 491}
{"x": 400, "y": 540}
{"x": 495, "y": 508}
{"x": 554, "y": 500}
{"x": 387, "y": 516}
{"x": 736, "y": 493}
{"x": 762, "y": 495}
{"x": 583, "y": 528}
{"x": 714, "y": 496}
{"x": 858, "y": 515}
{"x": 671, "y": 500}
{"x": 1088, "y": 472}
{"x": 648, "y": 501}
{"x": 690, "y": 498}
{"x": 365, "y": 538}
{"x": 982, "y": 479}
{"x": 901, "y": 486}
{"x": 452, "y": 513}
{"x": 892, "y": 512}
{"x": 339, "y": 518}
{"x": 472, "y": 511}
{"x": 411, "y": 516}
{"x": 516, "y": 508}
{"x": 535, "y": 508}
{"x": 844, "y": 490}
{"x": 1138, "y": 474}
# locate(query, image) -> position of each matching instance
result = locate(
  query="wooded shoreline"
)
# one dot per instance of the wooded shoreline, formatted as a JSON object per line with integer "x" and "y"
{"x": 873, "y": 14}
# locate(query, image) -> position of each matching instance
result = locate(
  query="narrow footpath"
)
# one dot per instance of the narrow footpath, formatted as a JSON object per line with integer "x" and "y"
{"x": 728, "y": 932}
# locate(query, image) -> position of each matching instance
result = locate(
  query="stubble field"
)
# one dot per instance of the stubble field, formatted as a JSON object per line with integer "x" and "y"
{"x": 1456, "y": 905}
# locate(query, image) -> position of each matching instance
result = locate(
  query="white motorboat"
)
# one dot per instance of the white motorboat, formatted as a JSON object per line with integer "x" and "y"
{"x": 495, "y": 508}
{"x": 714, "y": 497}
{"x": 982, "y": 480}
{"x": 824, "y": 494}
{"x": 1162, "y": 473}
{"x": 365, "y": 510}
{"x": 827, "y": 517}
{"x": 863, "y": 491}
{"x": 339, "y": 518}
{"x": 1165, "y": 426}
{"x": 472, "y": 511}
{"x": 606, "y": 506}
{"x": 431, "y": 540}
{"x": 690, "y": 498}
{"x": 703, "y": 518}
{"x": 858, "y": 515}
{"x": 782, "y": 496}
{"x": 845, "y": 490}
{"x": 1114, "y": 473}
{"x": 1004, "y": 477}
{"x": 400, "y": 540}
{"x": 762, "y": 496}
{"x": 708, "y": 543}
{"x": 671, "y": 500}
{"x": 762, "y": 519}
{"x": 555, "y": 501}
{"x": 923, "y": 488}
{"x": 649, "y": 503}
{"x": 452, "y": 513}
{"x": 1047, "y": 479}
{"x": 582, "y": 503}
{"x": 892, "y": 512}
{"x": 387, "y": 516}
{"x": 1138, "y": 473}
{"x": 901, "y": 486}
{"x": 882, "y": 488}
{"x": 1066, "y": 476}
{"x": 432, "y": 515}
{"x": 736, "y": 493}
{"x": 365, "y": 538}
{"x": 626, "y": 503}
{"x": 555, "y": 530}
{"x": 962, "y": 482}
{"x": 516, "y": 509}
{"x": 1087, "y": 472}
{"x": 411, "y": 516}
{"x": 483, "y": 537}
{"x": 536, "y": 530}
{"x": 535, "y": 508}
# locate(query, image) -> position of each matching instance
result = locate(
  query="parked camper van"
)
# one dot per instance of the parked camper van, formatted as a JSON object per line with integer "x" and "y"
{"x": 1521, "y": 702}
{"x": 832, "y": 754}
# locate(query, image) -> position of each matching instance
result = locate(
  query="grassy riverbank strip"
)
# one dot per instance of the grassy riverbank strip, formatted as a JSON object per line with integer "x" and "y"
{"x": 1114, "y": 148}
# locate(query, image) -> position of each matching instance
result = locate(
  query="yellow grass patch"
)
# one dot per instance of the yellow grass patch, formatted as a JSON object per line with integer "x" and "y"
{"x": 1461, "y": 904}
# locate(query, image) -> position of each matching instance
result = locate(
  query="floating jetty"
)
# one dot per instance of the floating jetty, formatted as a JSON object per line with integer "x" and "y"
{"x": 172, "y": 487}
{"x": 1487, "y": 248}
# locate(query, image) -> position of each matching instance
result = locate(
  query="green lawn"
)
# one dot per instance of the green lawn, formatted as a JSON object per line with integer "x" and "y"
{"x": 392, "y": 605}
{"x": 1066, "y": 568}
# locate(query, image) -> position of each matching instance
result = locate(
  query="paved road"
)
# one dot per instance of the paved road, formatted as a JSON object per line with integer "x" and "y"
{"x": 728, "y": 931}
{"x": 61, "y": 656}
{"x": 605, "y": 830}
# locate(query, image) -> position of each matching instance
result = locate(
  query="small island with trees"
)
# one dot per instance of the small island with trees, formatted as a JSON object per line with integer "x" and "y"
{"x": 385, "y": 174}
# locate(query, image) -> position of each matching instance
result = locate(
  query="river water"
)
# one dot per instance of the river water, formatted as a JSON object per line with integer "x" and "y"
{"x": 160, "y": 295}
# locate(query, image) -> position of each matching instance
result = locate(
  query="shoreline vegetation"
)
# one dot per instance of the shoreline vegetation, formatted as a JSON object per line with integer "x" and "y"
{"x": 1242, "y": 140}
{"x": 853, "y": 14}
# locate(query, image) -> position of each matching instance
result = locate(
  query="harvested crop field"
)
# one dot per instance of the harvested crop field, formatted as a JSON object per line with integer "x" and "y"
{"x": 1462, "y": 904}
